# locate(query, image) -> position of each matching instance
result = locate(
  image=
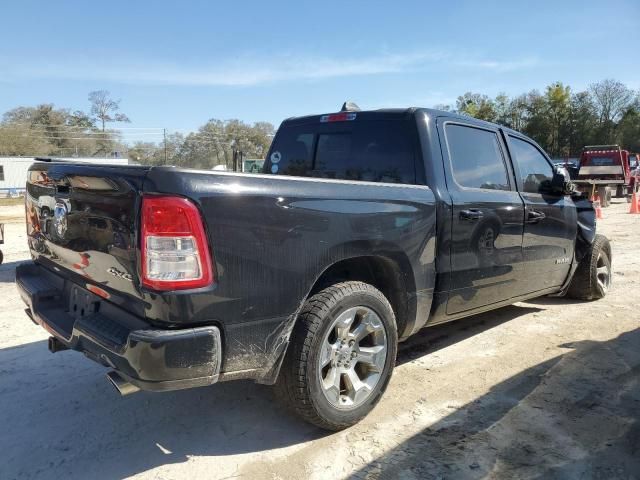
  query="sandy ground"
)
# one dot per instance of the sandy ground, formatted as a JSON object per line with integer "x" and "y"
{"x": 544, "y": 389}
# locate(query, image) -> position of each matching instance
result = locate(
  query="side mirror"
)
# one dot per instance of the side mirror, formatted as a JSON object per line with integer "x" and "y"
{"x": 560, "y": 183}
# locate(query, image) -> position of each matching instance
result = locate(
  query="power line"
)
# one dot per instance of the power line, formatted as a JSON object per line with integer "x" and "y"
{"x": 9, "y": 123}
{"x": 115, "y": 139}
{"x": 56, "y": 133}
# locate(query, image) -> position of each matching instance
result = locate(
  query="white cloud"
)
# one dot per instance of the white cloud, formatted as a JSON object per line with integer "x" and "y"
{"x": 498, "y": 65}
{"x": 245, "y": 71}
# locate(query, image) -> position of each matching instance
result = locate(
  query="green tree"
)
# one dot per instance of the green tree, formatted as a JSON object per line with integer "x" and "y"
{"x": 558, "y": 106}
{"x": 517, "y": 112}
{"x": 215, "y": 143}
{"x": 17, "y": 139}
{"x": 502, "y": 107}
{"x": 582, "y": 122}
{"x": 476, "y": 105}
{"x": 629, "y": 128}
{"x": 612, "y": 99}
{"x": 151, "y": 153}
{"x": 67, "y": 133}
{"x": 537, "y": 125}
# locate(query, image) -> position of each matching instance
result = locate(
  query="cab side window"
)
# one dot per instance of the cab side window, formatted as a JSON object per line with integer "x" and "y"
{"x": 535, "y": 171}
{"x": 476, "y": 158}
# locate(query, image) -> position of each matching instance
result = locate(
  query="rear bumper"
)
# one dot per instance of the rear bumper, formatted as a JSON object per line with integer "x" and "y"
{"x": 149, "y": 358}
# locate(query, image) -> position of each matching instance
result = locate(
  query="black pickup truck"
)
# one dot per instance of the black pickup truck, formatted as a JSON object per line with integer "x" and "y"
{"x": 364, "y": 227}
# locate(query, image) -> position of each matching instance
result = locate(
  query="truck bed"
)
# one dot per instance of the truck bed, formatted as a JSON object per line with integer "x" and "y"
{"x": 258, "y": 228}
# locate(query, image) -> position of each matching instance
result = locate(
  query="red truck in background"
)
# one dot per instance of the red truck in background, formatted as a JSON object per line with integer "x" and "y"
{"x": 603, "y": 169}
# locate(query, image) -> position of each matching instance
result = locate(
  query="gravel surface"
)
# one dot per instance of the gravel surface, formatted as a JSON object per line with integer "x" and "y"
{"x": 544, "y": 389}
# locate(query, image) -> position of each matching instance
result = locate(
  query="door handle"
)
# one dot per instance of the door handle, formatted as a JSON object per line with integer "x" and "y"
{"x": 471, "y": 214}
{"x": 534, "y": 216}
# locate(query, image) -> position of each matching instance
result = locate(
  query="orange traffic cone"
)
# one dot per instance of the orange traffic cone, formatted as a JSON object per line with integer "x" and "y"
{"x": 635, "y": 204}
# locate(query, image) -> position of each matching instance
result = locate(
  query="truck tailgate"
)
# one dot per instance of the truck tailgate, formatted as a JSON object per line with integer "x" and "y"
{"x": 81, "y": 223}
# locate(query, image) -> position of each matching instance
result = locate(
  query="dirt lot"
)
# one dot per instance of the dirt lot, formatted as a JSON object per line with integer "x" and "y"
{"x": 544, "y": 389}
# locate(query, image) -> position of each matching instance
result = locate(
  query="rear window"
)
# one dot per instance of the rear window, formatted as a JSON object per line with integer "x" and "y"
{"x": 365, "y": 150}
{"x": 602, "y": 161}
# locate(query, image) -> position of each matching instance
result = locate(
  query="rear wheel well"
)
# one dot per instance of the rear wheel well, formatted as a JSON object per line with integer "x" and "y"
{"x": 383, "y": 273}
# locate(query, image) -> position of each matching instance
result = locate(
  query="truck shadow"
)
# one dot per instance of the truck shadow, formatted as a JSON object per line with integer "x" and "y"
{"x": 430, "y": 340}
{"x": 573, "y": 416}
{"x": 62, "y": 407}
{"x": 550, "y": 301}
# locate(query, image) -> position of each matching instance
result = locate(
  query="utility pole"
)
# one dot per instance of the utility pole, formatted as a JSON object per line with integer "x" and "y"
{"x": 164, "y": 132}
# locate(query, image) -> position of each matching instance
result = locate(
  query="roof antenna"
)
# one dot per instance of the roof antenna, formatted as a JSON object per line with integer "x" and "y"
{"x": 349, "y": 107}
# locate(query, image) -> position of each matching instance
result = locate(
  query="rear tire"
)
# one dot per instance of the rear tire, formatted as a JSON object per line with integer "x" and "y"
{"x": 331, "y": 383}
{"x": 592, "y": 278}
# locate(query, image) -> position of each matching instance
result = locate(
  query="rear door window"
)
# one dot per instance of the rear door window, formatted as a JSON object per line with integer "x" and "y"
{"x": 476, "y": 158}
{"x": 360, "y": 150}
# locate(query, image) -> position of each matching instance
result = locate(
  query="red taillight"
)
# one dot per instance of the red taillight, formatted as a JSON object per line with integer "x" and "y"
{"x": 175, "y": 252}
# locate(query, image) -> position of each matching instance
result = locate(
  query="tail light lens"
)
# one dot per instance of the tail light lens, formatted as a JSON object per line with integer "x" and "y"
{"x": 175, "y": 252}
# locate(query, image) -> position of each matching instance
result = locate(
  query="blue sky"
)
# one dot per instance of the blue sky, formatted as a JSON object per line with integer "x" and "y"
{"x": 177, "y": 64}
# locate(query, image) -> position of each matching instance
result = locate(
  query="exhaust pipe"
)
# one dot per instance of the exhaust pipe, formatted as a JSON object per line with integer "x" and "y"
{"x": 121, "y": 385}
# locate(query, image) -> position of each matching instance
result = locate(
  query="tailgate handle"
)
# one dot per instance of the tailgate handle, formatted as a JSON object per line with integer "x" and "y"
{"x": 471, "y": 214}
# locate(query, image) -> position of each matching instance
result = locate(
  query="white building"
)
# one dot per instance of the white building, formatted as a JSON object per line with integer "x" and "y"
{"x": 13, "y": 171}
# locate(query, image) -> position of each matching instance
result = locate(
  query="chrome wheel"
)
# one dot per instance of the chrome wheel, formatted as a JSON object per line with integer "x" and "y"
{"x": 603, "y": 272}
{"x": 352, "y": 357}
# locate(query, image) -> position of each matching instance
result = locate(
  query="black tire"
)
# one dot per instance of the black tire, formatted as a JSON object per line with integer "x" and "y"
{"x": 299, "y": 385}
{"x": 585, "y": 284}
{"x": 619, "y": 191}
{"x": 1, "y": 257}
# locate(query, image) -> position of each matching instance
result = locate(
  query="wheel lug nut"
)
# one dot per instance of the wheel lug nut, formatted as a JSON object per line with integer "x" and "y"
{"x": 353, "y": 354}
{"x": 352, "y": 343}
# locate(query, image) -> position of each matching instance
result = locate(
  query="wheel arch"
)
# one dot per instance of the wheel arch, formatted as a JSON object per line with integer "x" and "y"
{"x": 389, "y": 271}
{"x": 391, "y": 274}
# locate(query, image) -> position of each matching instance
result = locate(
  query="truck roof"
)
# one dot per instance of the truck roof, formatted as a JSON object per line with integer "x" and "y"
{"x": 398, "y": 112}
